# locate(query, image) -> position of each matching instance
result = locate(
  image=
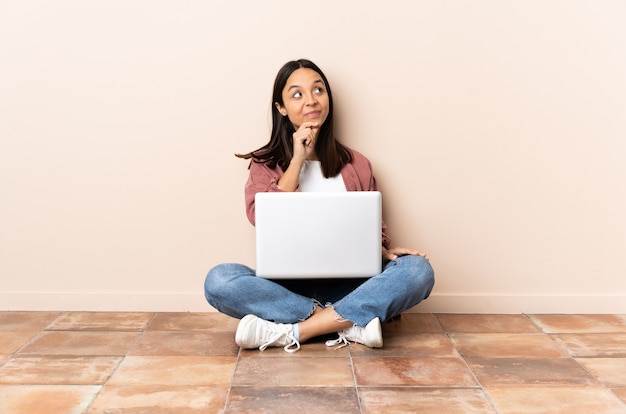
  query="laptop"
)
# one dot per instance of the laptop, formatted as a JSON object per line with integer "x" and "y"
{"x": 318, "y": 235}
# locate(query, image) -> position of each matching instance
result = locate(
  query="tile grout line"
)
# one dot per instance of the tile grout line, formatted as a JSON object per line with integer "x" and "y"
{"x": 121, "y": 360}
{"x": 230, "y": 383}
{"x": 575, "y": 360}
{"x": 462, "y": 357}
{"x": 552, "y": 336}
{"x": 37, "y": 335}
{"x": 356, "y": 385}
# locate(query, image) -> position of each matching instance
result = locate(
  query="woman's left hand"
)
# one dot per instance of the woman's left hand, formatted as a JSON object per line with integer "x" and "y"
{"x": 395, "y": 252}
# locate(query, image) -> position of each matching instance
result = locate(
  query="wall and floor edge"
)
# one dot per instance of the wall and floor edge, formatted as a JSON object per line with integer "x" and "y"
{"x": 195, "y": 302}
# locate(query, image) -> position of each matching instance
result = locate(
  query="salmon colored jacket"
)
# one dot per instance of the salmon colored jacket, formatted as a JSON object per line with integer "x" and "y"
{"x": 357, "y": 176}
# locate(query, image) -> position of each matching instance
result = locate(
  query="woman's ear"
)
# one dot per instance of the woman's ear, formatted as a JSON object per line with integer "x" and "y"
{"x": 281, "y": 109}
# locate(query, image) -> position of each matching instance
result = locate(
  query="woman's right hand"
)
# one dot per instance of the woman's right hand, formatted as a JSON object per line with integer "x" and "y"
{"x": 304, "y": 141}
{"x": 303, "y": 149}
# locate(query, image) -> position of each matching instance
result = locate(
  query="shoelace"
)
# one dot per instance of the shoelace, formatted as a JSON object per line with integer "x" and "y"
{"x": 288, "y": 348}
{"x": 340, "y": 340}
{"x": 276, "y": 336}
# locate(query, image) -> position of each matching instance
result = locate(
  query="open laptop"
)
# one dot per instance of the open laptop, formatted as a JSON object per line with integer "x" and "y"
{"x": 318, "y": 235}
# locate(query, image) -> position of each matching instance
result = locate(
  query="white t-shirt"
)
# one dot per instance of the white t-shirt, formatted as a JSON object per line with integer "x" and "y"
{"x": 312, "y": 179}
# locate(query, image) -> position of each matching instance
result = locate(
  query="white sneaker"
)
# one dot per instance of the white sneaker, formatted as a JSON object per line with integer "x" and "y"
{"x": 371, "y": 335}
{"x": 253, "y": 332}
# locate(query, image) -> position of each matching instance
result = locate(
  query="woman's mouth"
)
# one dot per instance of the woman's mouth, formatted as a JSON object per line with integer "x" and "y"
{"x": 313, "y": 114}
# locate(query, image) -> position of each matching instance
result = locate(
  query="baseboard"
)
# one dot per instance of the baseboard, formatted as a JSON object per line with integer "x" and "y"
{"x": 112, "y": 301}
{"x": 195, "y": 302}
{"x": 530, "y": 304}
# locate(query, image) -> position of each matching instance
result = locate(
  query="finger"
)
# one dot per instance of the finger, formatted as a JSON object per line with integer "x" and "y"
{"x": 303, "y": 137}
{"x": 310, "y": 139}
{"x": 309, "y": 125}
{"x": 403, "y": 251}
{"x": 387, "y": 255}
{"x": 414, "y": 252}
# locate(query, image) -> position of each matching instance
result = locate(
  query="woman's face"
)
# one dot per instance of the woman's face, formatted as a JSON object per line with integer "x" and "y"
{"x": 305, "y": 98}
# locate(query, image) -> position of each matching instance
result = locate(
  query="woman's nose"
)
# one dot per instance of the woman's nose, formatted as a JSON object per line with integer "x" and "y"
{"x": 310, "y": 99}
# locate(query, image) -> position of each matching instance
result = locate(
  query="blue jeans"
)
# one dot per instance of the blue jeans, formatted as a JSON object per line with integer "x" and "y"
{"x": 234, "y": 289}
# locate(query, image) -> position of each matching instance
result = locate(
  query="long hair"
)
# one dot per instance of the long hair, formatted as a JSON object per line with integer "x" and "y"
{"x": 279, "y": 150}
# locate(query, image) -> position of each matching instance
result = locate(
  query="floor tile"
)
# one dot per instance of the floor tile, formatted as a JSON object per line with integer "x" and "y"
{"x": 188, "y": 362}
{"x": 48, "y": 399}
{"x": 193, "y": 322}
{"x": 529, "y": 371}
{"x": 621, "y": 393}
{"x": 12, "y": 341}
{"x": 502, "y": 345}
{"x": 412, "y": 323}
{"x": 174, "y": 370}
{"x": 422, "y": 400}
{"x": 81, "y": 343}
{"x": 590, "y": 345}
{"x": 419, "y": 345}
{"x": 581, "y": 323}
{"x": 412, "y": 372}
{"x": 185, "y": 344}
{"x": 26, "y": 321}
{"x": 58, "y": 370}
{"x": 470, "y": 323}
{"x": 159, "y": 399}
{"x": 288, "y": 400}
{"x": 310, "y": 349}
{"x": 609, "y": 371}
{"x": 101, "y": 321}
{"x": 293, "y": 372}
{"x": 555, "y": 400}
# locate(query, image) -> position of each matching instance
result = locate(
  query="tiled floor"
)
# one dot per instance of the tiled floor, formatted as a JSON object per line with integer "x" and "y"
{"x": 75, "y": 362}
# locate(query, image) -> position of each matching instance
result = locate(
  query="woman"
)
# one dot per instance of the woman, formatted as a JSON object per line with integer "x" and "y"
{"x": 303, "y": 155}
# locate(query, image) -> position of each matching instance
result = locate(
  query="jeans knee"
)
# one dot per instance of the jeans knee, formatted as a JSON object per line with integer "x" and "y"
{"x": 210, "y": 282}
{"x": 218, "y": 280}
{"x": 422, "y": 272}
{"x": 428, "y": 271}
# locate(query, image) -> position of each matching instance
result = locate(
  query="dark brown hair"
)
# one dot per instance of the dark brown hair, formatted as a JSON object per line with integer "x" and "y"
{"x": 279, "y": 150}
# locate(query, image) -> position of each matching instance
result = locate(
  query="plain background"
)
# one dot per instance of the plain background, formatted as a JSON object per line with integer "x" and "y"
{"x": 497, "y": 131}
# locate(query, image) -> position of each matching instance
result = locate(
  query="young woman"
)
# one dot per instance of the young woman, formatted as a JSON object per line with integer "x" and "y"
{"x": 303, "y": 155}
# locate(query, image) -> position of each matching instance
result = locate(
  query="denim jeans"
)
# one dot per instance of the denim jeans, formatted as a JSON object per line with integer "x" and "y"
{"x": 234, "y": 289}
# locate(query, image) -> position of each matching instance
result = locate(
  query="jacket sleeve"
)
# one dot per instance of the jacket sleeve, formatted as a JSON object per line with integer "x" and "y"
{"x": 366, "y": 182}
{"x": 260, "y": 179}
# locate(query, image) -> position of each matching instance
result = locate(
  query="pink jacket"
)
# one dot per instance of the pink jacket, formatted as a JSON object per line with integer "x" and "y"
{"x": 357, "y": 176}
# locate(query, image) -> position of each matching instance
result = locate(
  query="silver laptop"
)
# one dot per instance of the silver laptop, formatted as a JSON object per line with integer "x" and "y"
{"x": 318, "y": 235}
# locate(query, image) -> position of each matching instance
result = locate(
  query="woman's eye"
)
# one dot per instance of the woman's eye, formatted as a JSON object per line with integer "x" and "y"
{"x": 297, "y": 95}
{"x": 319, "y": 90}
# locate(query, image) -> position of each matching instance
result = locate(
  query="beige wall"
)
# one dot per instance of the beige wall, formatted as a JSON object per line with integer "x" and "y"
{"x": 497, "y": 130}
